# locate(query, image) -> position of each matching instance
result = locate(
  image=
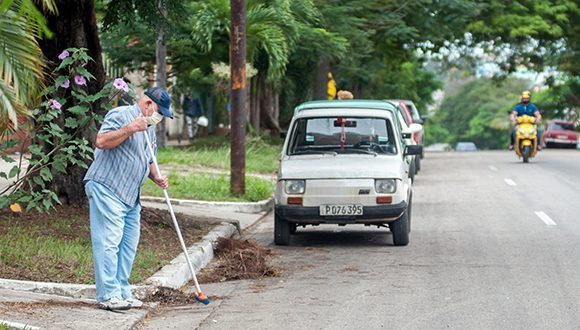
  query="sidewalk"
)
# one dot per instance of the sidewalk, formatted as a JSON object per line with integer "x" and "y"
{"x": 33, "y": 310}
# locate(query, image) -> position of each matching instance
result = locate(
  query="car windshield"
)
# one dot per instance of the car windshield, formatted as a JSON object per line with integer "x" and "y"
{"x": 561, "y": 127}
{"x": 342, "y": 135}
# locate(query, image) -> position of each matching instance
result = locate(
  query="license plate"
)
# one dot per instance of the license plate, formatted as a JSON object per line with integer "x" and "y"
{"x": 337, "y": 210}
{"x": 563, "y": 137}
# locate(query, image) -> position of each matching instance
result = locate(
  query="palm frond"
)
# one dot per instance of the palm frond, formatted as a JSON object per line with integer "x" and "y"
{"x": 21, "y": 67}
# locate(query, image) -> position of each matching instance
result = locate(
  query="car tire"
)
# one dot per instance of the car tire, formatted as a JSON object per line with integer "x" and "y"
{"x": 412, "y": 170}
{"x": 281, "y": 230}
{"x": 417, "y": 164}
{"x": 400, "y": 229}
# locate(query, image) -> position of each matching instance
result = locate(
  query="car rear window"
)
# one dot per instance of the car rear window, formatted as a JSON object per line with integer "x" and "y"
{"x": 561, "y": 127}
{"x": 352, "y": 135}
{"x": 414, "y": 112}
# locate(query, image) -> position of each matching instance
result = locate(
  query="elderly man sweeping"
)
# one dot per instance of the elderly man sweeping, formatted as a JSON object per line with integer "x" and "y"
{"x": 113, "y": 183}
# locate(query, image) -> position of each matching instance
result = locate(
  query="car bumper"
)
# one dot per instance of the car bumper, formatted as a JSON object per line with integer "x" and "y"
{"x": 311, "y": 214}
{"x": 562, "y": 141}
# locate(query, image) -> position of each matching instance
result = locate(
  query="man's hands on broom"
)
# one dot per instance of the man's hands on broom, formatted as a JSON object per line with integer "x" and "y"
{"x": 161, "y": 181}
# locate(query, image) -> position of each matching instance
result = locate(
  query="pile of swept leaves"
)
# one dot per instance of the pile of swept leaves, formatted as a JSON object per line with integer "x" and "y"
{"x": 238, "y": 259}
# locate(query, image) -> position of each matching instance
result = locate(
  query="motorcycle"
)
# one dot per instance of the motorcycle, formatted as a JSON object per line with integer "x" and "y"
{"x": 526, "y": 137}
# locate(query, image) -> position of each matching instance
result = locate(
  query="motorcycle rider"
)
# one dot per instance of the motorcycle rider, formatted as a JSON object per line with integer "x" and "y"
{"x": 525, "y": 107}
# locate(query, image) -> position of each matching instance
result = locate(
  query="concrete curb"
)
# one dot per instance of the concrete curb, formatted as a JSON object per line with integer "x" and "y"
{"x": 240, "y": 207}
{"x": 174, "y": 275}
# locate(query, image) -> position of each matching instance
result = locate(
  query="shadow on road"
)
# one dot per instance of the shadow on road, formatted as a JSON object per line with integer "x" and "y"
{"x": 341, "y": 238}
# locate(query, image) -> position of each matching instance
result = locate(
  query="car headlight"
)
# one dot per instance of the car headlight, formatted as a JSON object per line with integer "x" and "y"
{"x": 385, "y": 186}
{"x": 295, "y": 186}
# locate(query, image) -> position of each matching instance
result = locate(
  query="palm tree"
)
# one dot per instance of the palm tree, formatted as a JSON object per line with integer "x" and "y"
{"x": 274, "y": 30}
{"x": 21, "y": 60}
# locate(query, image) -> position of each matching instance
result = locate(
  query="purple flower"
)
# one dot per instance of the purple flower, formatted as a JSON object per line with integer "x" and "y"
{"x": 80, "y": 80}
{"x": 119, "y": 83}
{"x": 65, "y": 84}
{"x": 63, "y": 55}
{"x": 55, "y": 105}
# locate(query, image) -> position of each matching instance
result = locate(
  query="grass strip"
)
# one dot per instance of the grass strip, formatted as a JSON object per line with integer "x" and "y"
{"x": 261, "y": 154}
{"x": 210, "y": 187}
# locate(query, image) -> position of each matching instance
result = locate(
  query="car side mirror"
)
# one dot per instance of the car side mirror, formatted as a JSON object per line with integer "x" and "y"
{"x": 424, "y": 119}
{"x": 283, "y": 134}
{"x": 414, "y": 128}
{"x": 413, "y": 150}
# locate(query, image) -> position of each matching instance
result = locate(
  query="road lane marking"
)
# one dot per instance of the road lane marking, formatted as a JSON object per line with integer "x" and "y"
{"x": 493, "y": 168}
{"x": 544, "y": 217}
{"x": 510, "y": 182}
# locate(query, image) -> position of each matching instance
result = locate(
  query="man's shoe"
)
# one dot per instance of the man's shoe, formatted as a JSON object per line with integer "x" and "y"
{"x": 114, "y": 304}
{"x": 511, "y": 147}
{"x": 539, "y": 147}
{"x": 134, "y": 303}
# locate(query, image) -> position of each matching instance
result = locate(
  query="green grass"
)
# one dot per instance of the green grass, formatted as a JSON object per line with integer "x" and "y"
{"x": 210, "y": 187}
{"x": 66, "y": 258}
{"x": 261, "y": 154}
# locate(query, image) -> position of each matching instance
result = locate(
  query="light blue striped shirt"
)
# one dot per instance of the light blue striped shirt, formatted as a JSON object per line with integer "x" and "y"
{"x": 125, "y": 168}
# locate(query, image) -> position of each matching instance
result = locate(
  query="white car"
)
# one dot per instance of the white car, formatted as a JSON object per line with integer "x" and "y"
{"x": 345, "y": 162}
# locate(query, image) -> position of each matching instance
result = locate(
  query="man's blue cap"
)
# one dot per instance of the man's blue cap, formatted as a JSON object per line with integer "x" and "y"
{"x": 160, "y": 96}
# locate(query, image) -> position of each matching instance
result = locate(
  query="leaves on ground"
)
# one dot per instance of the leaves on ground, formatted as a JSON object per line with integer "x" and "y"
{"x": 238, "y": 259}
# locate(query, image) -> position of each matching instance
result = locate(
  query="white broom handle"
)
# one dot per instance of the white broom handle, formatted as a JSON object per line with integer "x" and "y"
{"x": 172, "y": 213}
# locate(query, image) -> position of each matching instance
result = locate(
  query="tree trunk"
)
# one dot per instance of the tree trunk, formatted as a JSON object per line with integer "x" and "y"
{"x": 75, "y": 26}
{"x": 321, "y": 87}
{"x": 161, "y": 81}
{"x": 254, "y": 105}
{"x": 267, "y": 107}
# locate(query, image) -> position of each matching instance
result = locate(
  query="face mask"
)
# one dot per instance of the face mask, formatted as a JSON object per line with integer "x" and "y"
{"x": 155, "y": 118}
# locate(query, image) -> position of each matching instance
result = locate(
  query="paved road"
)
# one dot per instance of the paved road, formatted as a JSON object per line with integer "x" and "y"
{"x": 494, "y": 244}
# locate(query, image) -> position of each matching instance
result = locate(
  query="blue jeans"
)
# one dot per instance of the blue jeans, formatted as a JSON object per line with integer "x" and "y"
{"x": 115, "y": 236}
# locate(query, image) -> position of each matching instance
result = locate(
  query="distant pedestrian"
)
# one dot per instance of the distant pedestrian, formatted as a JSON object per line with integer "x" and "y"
{"x": 113, "y": 183}
{"x": 331, "y": 87}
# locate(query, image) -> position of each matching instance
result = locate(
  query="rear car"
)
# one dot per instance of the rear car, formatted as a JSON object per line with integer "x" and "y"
{"x": 560, "y": 133}
{"x": 404, "y": 117}
{"x": 344, "y": 163}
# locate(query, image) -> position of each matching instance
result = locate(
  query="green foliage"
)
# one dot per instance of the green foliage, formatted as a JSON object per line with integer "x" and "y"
{"x": 408, "y": 80}
{"x": 478, "y": 113}
{"x": 58, "y": 144}
{"x": 435, "y": 131}
{"x": 21, "y": 60}
{"x": 561, "y": 100}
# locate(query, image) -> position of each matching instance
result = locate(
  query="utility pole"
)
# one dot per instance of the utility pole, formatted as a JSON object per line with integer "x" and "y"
{"x": 161, "y": 75}
{"x": 238, "y": 95}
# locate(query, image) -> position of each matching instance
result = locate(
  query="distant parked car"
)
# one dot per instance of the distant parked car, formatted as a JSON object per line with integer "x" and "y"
{"x": 560, "y": 133}
{"x": 465, "y": 146}
{"x": 412, "y": 117}
{"x": 404, "y": 115}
